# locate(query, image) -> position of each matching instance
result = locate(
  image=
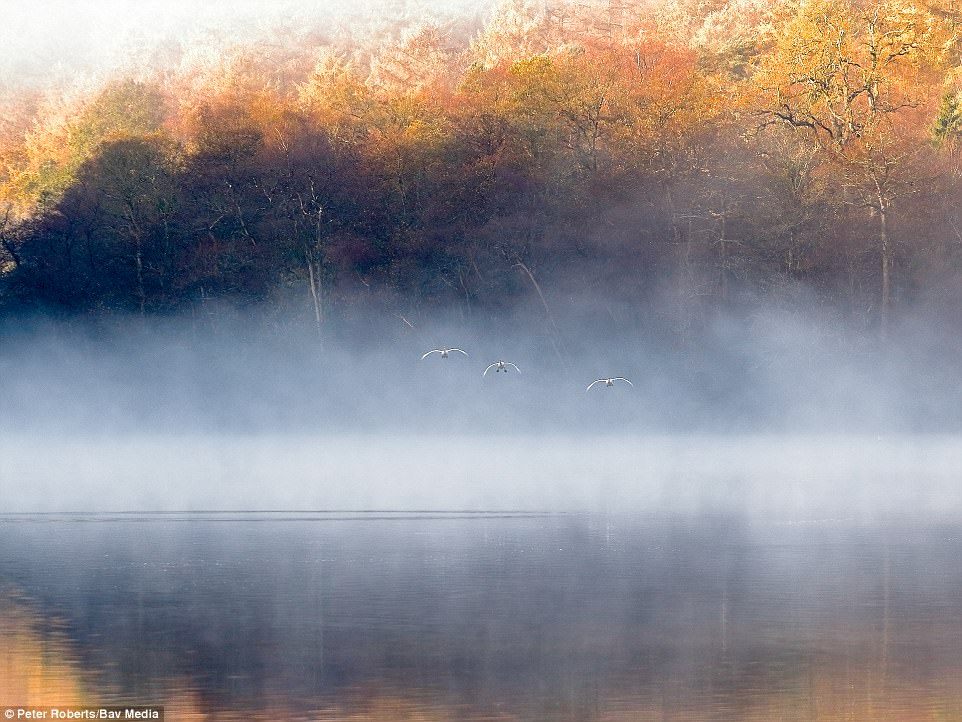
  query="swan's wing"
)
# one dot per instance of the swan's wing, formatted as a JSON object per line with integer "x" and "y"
{"x": 622, "y": 378}
{"x": 437, "y": 350}
{"x": 489, "y": 368}
{"x": 513, "y": 366}
{"x": 599, "y": 381}
{"x": 458, "y": 350}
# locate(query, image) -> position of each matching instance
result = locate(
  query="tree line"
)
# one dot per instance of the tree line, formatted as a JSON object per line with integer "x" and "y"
{"x": 686, "y": 156}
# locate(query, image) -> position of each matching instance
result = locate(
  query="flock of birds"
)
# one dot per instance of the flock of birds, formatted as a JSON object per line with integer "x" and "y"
{"x": 501, "y": 365}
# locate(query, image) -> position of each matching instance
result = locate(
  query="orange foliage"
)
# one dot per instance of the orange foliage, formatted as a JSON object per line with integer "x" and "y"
{"x": 554, "y": 112}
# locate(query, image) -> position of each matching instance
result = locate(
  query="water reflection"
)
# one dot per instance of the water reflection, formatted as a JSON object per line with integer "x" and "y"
{"x": 37, "y": 666}
{"x": 558, "y": 617}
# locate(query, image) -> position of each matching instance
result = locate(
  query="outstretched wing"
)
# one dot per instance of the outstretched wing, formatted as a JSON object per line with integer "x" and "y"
{"x": 513, "y": 366}
{"x": 458, "y": 350}
{"x": 489, "y": 368}
{"x": 437, "y": 350}
{"x": 599, "y": 381}
{"x": 622, "y": 378}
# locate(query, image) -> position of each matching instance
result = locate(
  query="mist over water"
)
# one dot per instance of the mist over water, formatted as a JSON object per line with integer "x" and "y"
{"x": 773, "y": 372}
{"x": 772, "y": 416}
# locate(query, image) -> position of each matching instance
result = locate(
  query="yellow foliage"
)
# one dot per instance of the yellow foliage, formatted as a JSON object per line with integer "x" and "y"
{"x": 843, "y": 70}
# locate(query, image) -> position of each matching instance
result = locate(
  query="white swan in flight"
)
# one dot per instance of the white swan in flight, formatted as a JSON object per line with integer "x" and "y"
{"x": 608, "y": 382}
{"x": 444, "y": 352}
{"x": 501, "y": 366}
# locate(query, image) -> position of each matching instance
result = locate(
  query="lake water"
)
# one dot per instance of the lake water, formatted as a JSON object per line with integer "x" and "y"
{"x": 483, "y": 616}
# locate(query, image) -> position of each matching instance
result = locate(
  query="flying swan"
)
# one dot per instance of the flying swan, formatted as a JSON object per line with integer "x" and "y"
{"x": 501, "y": 366}
{"x": 608, "y": 382}
{"x": 444, "y": 352}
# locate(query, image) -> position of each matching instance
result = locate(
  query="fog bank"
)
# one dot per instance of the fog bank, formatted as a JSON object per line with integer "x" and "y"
{"x": 772, "y": 415}
{"x": 788, "y": 478}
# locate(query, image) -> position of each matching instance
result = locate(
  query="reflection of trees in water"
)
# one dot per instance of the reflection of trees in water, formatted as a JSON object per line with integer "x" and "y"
{"x": 40, "y": 666}
{"x": 37, "y": 664}
{"x": 566, "y": 622}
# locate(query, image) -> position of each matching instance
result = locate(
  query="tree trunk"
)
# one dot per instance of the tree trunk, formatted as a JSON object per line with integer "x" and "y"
{"x": 10, "y": 250}
{"x": 886, "y": 299}
{"x": 315, "y": 293}
{"x": 5, "y": 242}
{"x": 723, "y": 250}
{"x": 141, "y": 292}
{"x": 554, "y": 333}
{"x": 681, "y": 252}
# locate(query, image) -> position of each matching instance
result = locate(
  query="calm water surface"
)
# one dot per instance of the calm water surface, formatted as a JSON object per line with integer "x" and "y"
{"x": 454, "y": 616}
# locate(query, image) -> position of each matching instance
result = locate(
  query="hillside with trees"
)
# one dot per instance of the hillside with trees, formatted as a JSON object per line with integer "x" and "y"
{"x": 678, "y": 157}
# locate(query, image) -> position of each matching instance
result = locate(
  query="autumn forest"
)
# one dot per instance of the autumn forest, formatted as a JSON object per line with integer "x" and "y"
{"x": 681, "y": 157}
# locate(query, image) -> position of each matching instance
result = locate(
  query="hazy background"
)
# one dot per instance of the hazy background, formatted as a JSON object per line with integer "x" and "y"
{"x": 62, "y": 43}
